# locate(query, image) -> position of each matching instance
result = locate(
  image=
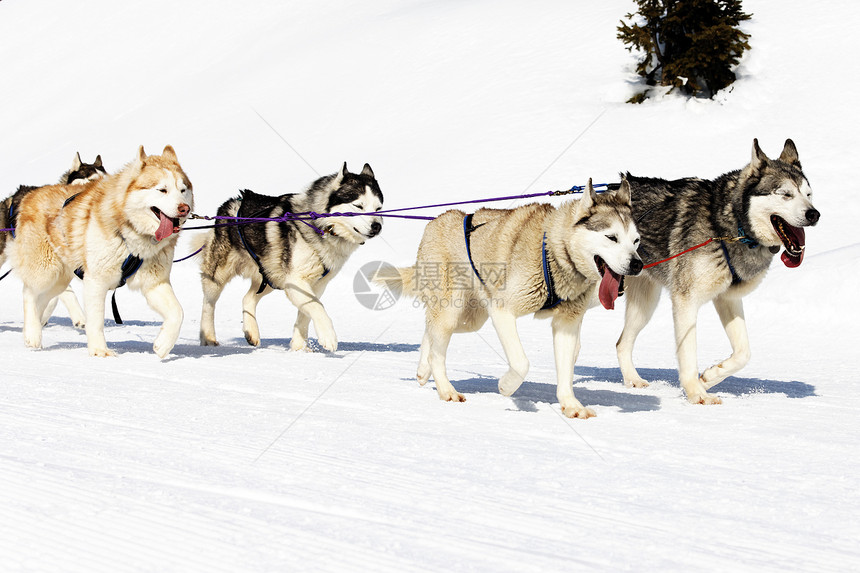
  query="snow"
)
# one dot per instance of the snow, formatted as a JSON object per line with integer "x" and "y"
{"x": 259, "y": 459}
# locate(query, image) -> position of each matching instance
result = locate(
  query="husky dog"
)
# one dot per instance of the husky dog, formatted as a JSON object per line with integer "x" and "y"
{"x": 506, "y": 263}
{"x": 116, "y": 229}
{"x": 292, "y": 255}
{"x": 767, "y": 204}
{"x": 79, "y": 174}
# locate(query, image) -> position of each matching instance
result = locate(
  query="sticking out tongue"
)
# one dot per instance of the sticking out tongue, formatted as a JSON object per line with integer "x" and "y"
{"x": 793, "y": 239}
{"x": 166, "y": 227}
{"x": 792, "y": 260}
{"x": 608, "y": 290}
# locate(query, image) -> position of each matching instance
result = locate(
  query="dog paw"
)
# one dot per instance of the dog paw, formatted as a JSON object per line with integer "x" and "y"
{"x": 102, "y": 352}
{"x": 299, "y": 344}
{"x": 510, "y": 383}
{"x": 253, "y": 339}
{"x": 637, "y": 382}
{"x": 33, "y": 342}
{"x": 328, "y": 341}
{"x": 208, "y": 342}
{"x": 704, "y": 398}
{"x": 422, "y": 380}
{"x": 452, "y": 396}
{"x": 577, "y": 410}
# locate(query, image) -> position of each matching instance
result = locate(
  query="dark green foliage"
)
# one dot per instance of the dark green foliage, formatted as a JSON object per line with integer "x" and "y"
{"x": 691, "y": 45}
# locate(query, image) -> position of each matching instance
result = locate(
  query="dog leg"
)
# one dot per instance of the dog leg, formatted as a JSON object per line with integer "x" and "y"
{"x": 685, "y": 314}
{"x": 300, "y": 332}
{"x": 565, "y": 341}
{"x": 505, "y": 324}
{"x": 34, "y": 307}
{"x": 94, "y": 303}
{"x": 162, "y": 299}
{"x": 249, "y": 311}
{"x": 731, "y": 312}
{"x": 423, "y": 374}
{"x": 76, "y": 313}
{"x": 439, "y": 333}
{"x": 642, "y": 297}
{"x": 49, "y": 311}
{"x": 212, "y": 290}
{"x": 302, "y": 296}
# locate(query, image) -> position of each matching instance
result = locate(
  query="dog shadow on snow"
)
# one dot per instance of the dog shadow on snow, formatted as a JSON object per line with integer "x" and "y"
{"x": 626, "y": 399}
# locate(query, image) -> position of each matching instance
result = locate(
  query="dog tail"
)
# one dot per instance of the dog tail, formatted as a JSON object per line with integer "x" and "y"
{"x": 398, "y": 280}
{"x": 200, "y": 241}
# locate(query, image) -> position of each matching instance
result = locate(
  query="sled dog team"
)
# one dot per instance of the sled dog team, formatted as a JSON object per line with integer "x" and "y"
{"x": 554, "y": 262}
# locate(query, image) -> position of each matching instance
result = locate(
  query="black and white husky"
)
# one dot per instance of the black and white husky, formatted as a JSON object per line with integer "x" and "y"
{"x": 766, "y": 204}
{"x": 297, "y": 257}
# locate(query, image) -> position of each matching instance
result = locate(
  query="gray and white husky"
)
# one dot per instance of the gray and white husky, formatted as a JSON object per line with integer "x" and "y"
{"x": 506, "y": 263}
{"x": 767, "y": 204}
{"x": 292, "y": 255}
{"x": 79, "y": 174}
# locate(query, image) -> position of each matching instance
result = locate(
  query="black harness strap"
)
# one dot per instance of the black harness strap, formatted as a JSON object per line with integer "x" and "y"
{"x": 130, "y": 265}
{"x": 468, "y": 229}
{"x": 552, "y": 298}
{"x": 266, "y": 282}
{"x": 6, "y": 274}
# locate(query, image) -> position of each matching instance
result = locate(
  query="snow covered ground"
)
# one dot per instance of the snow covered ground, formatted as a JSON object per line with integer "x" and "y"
{"x": 243, "y": 459}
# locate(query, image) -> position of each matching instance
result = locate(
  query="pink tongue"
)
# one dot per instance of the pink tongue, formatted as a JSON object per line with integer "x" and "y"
{"x": 793, "y": 261}
{"x": 165, "y": 228}
{"x": 608, "y": 290}
{"x": 790, "y": 261}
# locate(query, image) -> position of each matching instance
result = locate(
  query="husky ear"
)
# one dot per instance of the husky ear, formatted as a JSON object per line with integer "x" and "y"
{"x": 367, "y": 170}
{"x": 789, "y": 154}
{"x": 338, "y": 179}
{"x": 139, "y": 158}
{"x": 169, "y": 154}
{"x": 76, "y": 162}
{"x": 623, "y": 195}
{"x": 98, "y": 161}
{"x": 758, "y": 156}
{"x": 588, "y": 198}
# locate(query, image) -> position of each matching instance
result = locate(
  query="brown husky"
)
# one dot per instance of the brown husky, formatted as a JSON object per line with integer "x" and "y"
{"x": 117, "y": 229}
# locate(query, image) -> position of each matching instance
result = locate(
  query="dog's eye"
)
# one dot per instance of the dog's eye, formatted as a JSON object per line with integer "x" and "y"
{"x": 636, "y": 242}
{"x": 357, "y": 206}
{"x": 612, "y": 238}
{"x": 162, "y": 190}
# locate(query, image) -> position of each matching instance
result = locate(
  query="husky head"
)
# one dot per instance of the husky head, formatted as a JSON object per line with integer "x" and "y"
{"x": 606, "y": 240}
{"x": 82, "y": 173}
{"x": 159, "y": 197}
{"x": 354, "y": 193}
{"x": 780, "y": 202}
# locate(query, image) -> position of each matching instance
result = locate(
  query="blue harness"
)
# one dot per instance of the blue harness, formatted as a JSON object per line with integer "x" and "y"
{"x": 742, "y": 237}
{"x": 552, "y": 298}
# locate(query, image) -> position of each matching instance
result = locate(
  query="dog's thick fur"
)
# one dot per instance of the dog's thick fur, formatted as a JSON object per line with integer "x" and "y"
{"x": 586, "y": 239}
{"x": 79, "y": 174}
{"x": 294, "y": 256}
{"x": 769, "y": 201}
{"x": 96, "y": 227}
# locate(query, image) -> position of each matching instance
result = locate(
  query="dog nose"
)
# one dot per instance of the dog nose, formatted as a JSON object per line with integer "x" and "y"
{"x": 375, "y": 228}
{"x": 635, "y": 267}
{"x": 812, "y": 216}
{"x": 183, "y": 209}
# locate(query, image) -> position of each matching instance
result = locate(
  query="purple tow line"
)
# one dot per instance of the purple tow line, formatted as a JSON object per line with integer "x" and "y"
{"x": 308, "y": 216}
